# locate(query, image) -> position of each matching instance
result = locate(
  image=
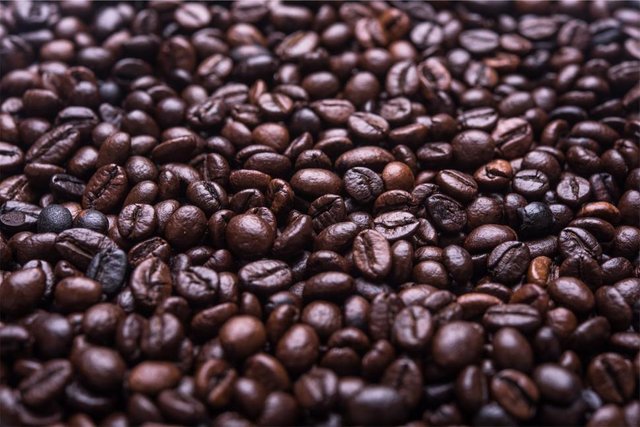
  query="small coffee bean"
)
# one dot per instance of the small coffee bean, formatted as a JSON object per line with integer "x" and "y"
{"x": 457, "y": 344}
{"x": 93, "y": 220}
{"x": 54, "y": 219}
{"x": 515, "y": 392}
{"x": 508, "y": 261}
{"x": 372, "y": 254}
{"x": 241, "y": 336}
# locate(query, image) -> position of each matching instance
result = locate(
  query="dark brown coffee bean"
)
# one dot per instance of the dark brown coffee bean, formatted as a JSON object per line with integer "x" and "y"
{"x": 55, "y": 146}
{"x": 611, "y": 377}
{"x": 265, "y": 277}
{"x": 522, "y": 317}
{"x": 372, "y": 254}
{"x": 150, "y": 283}
{"x": 508, "y": 261}
{"x": 457, "y": 344}
{"x": 574, "y": 241}
{"x": 106, "y": 189}
{"x": 363, "y": 184}
{"x": 515, "y": 392}
{"x": 80, "y": 245}
{"x": 47, "y": 383}
{"x": 412, "y": 328}
{"x": 22, "y": 290}
{"x": 377, "y": 405}
{"x": 153, "y": 377}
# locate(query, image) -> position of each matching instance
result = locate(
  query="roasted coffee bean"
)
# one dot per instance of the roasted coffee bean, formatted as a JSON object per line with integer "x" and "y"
{"x": 93, "y": 220}
{"x": 265, "y": 277}
{"x": 77, "y": 293}
{"x": 377, "y": 405}
{"x": 185, "y": 226}
{"x": 368, "y": 127}
{"x": 55, "y": 146}
{"x": 396, "y": 225}
{"x": 556, "y": 384}
{"x": 372, "y": 254}
{"x": 446, "y": 213}
{"x": 574, "y": 241}
{"x": 472, "y": 148}
{"x": 249, "y": 236}
{"x": 522, "y": 317}
{"x": 412, "y": 328}
{"x": 531, "y": 184}
{"x": 22, "y": 290}
{"x": 47, "y": 383}
{"x": 457, "y": 344}
{"x": 363, "y": 184}
{"x": 150, "y": 283}
{"x": 137, "y": 221}
{"x": 508, "y": 261}
{"x": 153, "y": 377}
{"x": 108, "y": 267}
{"x": 80, "y": 245}
{"x": 515, "y": 392}
{"x": 100, "y": 368}
{"x": 535, "y": 219}
{"x": 106, "y": 189}
{"x": 611, "y": 377}
{"x": 54, "y": 219}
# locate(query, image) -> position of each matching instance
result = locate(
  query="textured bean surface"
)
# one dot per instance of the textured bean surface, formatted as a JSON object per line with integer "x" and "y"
{"x": 319, "y": 213}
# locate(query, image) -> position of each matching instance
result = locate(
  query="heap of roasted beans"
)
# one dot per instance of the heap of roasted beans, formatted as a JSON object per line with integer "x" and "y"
{"x": 319, "y": 213}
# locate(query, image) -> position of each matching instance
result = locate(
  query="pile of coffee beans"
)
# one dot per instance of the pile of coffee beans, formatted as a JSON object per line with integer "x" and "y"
{"x": 319, "y": 213}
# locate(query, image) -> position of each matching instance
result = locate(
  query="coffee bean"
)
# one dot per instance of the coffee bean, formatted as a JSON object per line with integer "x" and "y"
{"x": 47, "y": 383}
{"x": 363, "y": 184}
{"x": 298, "y": 348}
{"x": 457, "y": 344}
{"x": 106, "y": 188}
{"x": 93, "y": 220}
{"x": 446, "y": 213}
{"x": 317, "y": 390}
{"x": 515, "y": 392}
{"x": 611, "y": 377}
{"x": 22, "y": 290}
{"x": 574, "y": 241}
{"x": 150, "y": 283}
{"x": 54, "y": 219}
{"x": 80, "y": 245}
{"x": 185, "y": 226}
{"x": 55, "y": 146}
{"x": 372, "y": 254}
{"x": 412, "y": 328}
{"x": 508, "y": 261}
{"x": 556, "y": 384}
{"x": 265, "y": 277}
{"x": 511, "y": 350}
{"x": 249, "y": 236}
{"x": 108, "y": 267}
{"x": 472, "y": 148}
{"x": 396, "y": 225}
{"x": 530, "y": 183}
{"x": 102, "y": 369}
{"x": 153, "y": 377}
{"x": 377, "y": 405}
{"x": 522, "y": 317}
{"x": 242, "y": 336}
{"x": 77, "y": 293}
